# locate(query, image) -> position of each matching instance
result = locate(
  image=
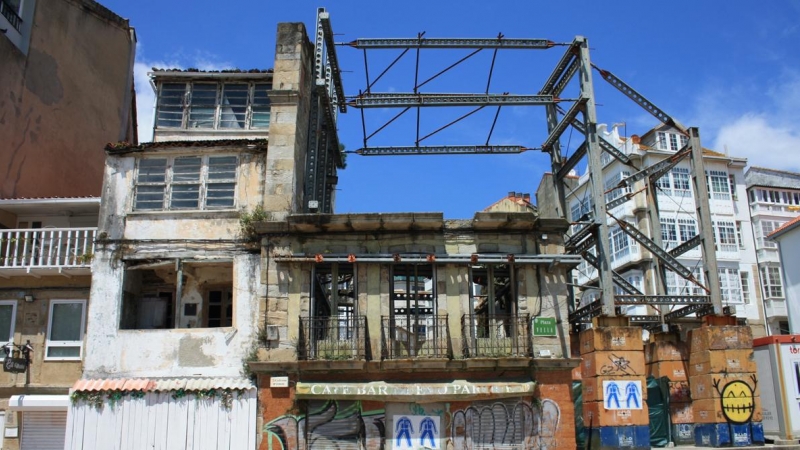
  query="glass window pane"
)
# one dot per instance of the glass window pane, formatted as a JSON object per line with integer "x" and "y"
{"x": 186, "y": 169}
{"x": 64, "y": 352}
{"x": 152, "y": 170}
{"x": 222, "y": 167}
{"x": 260, "y": 117}
{"x": 170, "y": 105}
{"x": 6, "y": 322}
{"x": 203, "y": 106}
{"x": 185, "y": 196}
{"x": 219, "y": 195}
{"x": 149, "y": 197}
{"x": 66, "y": 322}
{"x": 233, "y": 107}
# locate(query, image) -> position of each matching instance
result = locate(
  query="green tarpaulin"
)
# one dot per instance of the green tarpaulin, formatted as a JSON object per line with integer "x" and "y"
{"x": 658, "y": 406}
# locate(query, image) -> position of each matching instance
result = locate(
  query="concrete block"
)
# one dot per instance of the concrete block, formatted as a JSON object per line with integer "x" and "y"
{"x": 593, "y": 387}
{"x": 702, "y": 386}
{"x": 612, "y": 363}
{"x": 674, "y": 370}
{"x": 665, "y": 351}
{"x": 713, "y": 410}
{"x": 602, "y": 417}
{"x": 720, "y": 338}
{"x": 610, "y": 338}
{"x": 608, "y": 438}
{"x": 681, "y": 413}
{"x": 721, "y": 361}
{"x": 683, "y": 433}
{"x": 679, "y": 392}
{"x": 727, "y": 435}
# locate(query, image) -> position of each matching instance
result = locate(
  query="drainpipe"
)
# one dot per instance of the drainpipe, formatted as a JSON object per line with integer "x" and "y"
{"x": 178, "y": 292}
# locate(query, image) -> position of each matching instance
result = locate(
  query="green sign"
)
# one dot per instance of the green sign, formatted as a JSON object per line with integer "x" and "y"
{"x": 544, "y": 326}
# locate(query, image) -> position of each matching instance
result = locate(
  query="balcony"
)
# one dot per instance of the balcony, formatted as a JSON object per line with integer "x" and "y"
{"x": 496, "y": 336}
{"x": 46, "y": 251}
{"x": 10, "y": 13}
{"x": 415, "y": 336}
{"x": 333, "y": 339}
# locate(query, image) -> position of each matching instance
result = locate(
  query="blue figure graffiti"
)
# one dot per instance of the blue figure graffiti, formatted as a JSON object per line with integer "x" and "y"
{"x": 427, "y": 429}
{"x": 632, "y": 394}
{"x": 612, "y": 393}
{"x": 404, "y": 429}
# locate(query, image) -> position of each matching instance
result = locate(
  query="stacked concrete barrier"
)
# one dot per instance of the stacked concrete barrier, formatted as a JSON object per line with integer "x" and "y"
{"x": 667, "y": 356}
{"x": 726, "y": 405}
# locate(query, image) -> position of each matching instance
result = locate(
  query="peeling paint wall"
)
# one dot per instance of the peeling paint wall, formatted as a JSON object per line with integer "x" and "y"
{"x": 64, "y": 100}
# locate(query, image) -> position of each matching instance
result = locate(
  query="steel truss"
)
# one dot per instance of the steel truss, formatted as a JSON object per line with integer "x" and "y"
{"x": 591, "y": 241}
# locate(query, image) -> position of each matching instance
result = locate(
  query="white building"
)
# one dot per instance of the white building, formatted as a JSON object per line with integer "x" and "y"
{"x": 788, "y": 238}
{"x": 774, "y": 197}
{"x": 677, "y": 211}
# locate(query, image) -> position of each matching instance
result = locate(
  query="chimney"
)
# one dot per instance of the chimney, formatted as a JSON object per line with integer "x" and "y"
{"x": 511, "y": 194}
{"x": 526, "y": 197}
{"x": 636, "y": 139}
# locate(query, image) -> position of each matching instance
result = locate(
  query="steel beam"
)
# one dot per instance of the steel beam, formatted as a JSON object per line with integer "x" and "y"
{"x": 624, "y": 284}
{"x": 569, "y": 116}
{"x": 662, "y": 299}
{"x": 607, "y": 146}
{"x": 404, "y": 100}
{"x": 473, "y": 43}
{"x": 441, "y": 150}
{"x": 660, "y": 167}
{"x": 573, "y": 161}
{"x": 639, "y": 99}
{"x": 383, "y": 258}
{"x": 700, "y": 309}
{"x": 657, "y": 251}
{"x": 698, "y": 177}
{"x": 330, "y": 123}
{"x": 336, "y": 73}
{"x": 644, "y": 320}
{"x": 587, "y": 312}
{"x": 580, "y": 235}
{"x": 562, "y": 69}
{"x": 686, "y": 246}
{"x": 582, "y": 247}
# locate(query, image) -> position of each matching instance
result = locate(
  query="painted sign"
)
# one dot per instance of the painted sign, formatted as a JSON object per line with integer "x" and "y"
{"x": 278, "y": 382}
{"x": 544, "y": 326}
{"x": 415, "y": 432}
{"x": 622, "y": 394}
{"x": 15, "y": 365}
{"x": 380, "y": 390}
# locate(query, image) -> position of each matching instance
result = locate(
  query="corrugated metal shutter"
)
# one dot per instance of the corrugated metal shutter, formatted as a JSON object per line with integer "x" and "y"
{"x": 499, "y": 424}
{"x": 43, "y": 430}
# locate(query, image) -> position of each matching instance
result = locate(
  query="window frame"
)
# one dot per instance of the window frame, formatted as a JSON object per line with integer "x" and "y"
{"x": 77, "y": 343}
{"x": 13, "y": 327}
{"x": 169, "y": 183}
{"x": 255, "y": 106}
{"x": 771, "y": 287}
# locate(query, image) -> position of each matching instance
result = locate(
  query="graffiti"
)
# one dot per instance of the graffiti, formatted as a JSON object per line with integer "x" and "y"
{"x": 737, "y": 399}
{"x": 329, "y": 424}
{"x": 504, "y": 424}
{"x": 619, "y": 365}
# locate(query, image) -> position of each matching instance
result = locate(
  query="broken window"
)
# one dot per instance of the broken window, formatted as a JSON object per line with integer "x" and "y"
{"x": 166, "y": 294}
{"x": 334, "y": 330}
{"x": 413, "y": 326}
{"x": 186, "y": 182}
{"x": 492, "y": 326}
{"x": 228, "y": 106}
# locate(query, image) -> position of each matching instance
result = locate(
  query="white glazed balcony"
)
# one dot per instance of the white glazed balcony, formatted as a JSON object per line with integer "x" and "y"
{"x": 46, "y": 251}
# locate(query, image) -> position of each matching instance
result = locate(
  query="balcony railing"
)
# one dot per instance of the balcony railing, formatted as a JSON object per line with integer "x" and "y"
{"x": 415, "y": 336}
{"x": 496, "y": 336}
{"x": 46, "y": 247}
{"x": 10, "y": 13}
{"x": 333, "y": 338}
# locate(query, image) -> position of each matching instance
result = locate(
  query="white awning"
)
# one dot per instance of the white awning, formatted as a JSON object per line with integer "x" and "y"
{"x": 38, "y": 403}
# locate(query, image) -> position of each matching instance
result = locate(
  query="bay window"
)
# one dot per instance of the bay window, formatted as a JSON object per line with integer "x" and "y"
{"x": 216, "y": 106}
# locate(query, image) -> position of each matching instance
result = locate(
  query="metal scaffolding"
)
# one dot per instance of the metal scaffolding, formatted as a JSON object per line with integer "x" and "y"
{"x": 591, "y": 240}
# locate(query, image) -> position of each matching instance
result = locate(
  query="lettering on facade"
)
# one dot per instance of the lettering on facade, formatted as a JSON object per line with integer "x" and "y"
{"x": 356, "y": 390}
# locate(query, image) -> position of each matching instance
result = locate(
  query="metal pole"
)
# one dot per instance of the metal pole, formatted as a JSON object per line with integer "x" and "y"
{"x": 596, "y": 181}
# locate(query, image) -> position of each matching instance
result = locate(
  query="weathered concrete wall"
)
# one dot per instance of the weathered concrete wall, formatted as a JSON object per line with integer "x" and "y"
{"x": 288, "y": 130}
{"x": 31, "y": 324}
{"x": 63, "y": 100}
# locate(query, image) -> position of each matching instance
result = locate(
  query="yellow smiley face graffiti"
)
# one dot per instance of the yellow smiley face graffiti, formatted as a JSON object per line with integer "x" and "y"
{"x": 738, "y": 402}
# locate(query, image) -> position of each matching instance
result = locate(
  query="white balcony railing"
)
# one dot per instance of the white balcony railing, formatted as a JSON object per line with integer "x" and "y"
{"x": 46, "y": 248}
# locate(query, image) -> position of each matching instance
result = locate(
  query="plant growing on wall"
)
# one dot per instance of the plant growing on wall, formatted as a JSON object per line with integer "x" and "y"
{"x": 247, "y": 221}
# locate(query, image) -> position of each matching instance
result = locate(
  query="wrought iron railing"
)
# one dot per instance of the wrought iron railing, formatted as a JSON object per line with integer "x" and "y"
{"x": 496, "y": 336}
{"x": 333, "y": 338}
{"x": 46, "y": 247}
{"x": 415, "y": 336}
{"x": 10, "y": 13}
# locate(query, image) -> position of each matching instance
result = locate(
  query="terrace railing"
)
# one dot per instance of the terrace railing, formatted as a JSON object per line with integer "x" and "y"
{"x": 496, "y": 336}
{"x": 415, "y": 336}
{"x": 333, "y": 338}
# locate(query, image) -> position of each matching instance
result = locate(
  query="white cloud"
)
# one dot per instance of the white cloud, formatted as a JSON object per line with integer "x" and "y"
{"x": 762, "y": 132}
{"x": 146, "y": 97}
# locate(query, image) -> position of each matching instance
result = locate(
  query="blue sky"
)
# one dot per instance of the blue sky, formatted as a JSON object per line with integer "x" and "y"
{"x": 731, "y": 68}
